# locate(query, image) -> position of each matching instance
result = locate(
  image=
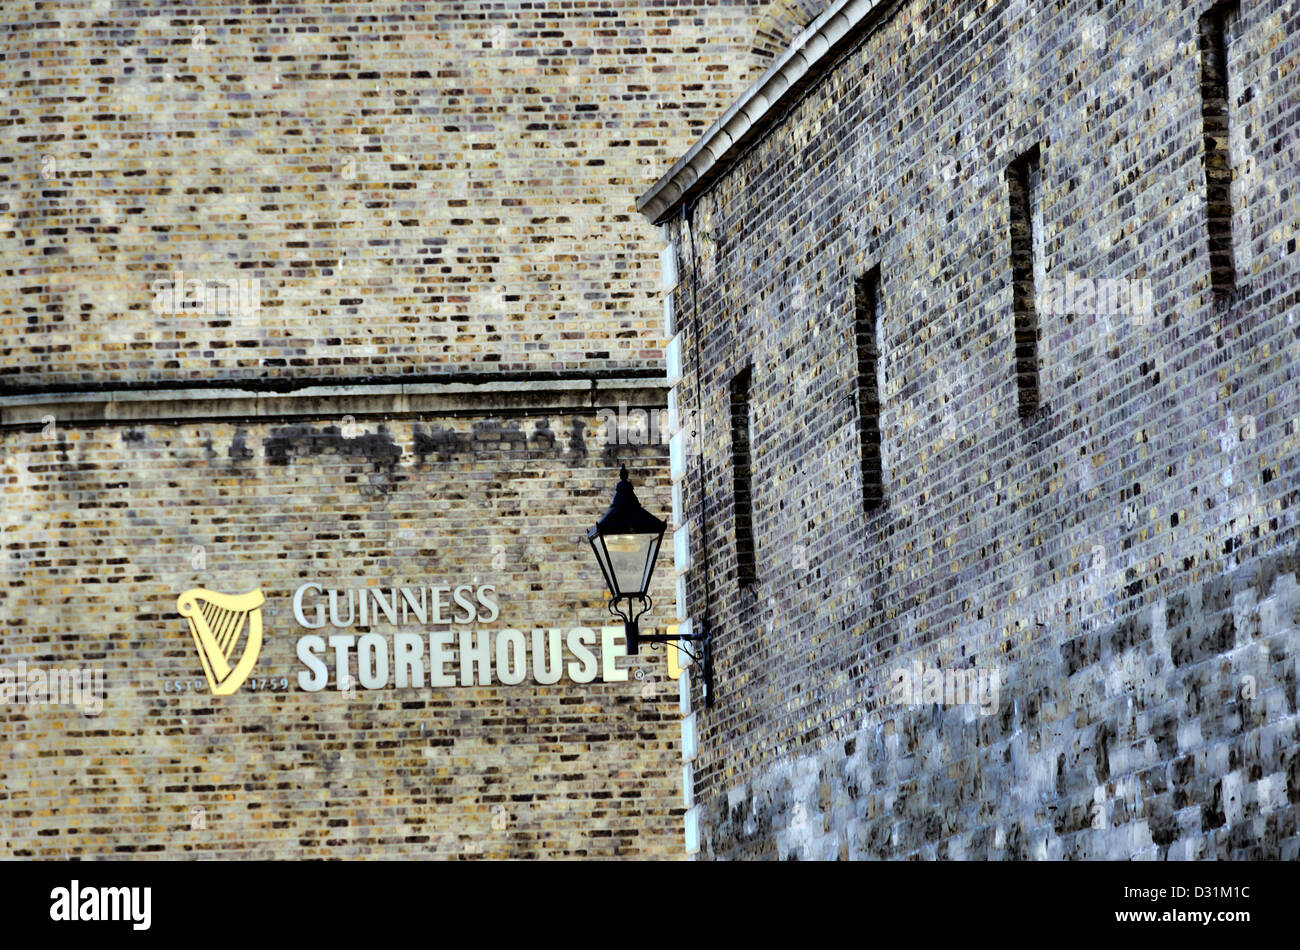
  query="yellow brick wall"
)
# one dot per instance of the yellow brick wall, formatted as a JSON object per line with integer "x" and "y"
{"x": 103, "y": 527}
{"x": 418, "y": 188}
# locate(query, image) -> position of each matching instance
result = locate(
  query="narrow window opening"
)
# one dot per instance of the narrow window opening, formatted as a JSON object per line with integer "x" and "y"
{"x": 866, "y": 303}
{"x": 1215, "y": 28}
{"x": 742, "y": 497}
{"x": 1024, "y": 185}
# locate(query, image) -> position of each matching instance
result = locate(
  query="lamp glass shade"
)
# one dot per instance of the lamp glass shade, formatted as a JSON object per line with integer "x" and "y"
{"x": 626, "y": 542}
{"x": 627, "y": 561}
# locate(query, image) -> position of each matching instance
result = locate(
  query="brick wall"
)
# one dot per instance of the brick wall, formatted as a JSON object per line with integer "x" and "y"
{"x": 418, "y": 188}
{"x": 404, "y": 194}
{"x": 1123, "y": 558}
{"x": 103, "y": 526}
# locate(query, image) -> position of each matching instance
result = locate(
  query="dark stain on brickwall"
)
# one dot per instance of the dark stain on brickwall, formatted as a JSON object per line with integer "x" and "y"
{"x": 1199, "y": 641}
{"x": 577, "y": 444}
{"x": 305, "y": 441}
{"x": 1105, "y": 733}
{"x": 493, "y": 433}
{"x": 613, "y": 454}
{"x": 1293, "y": 777}
{"x": 239, "y": 450}
{"x": 444, "y": 443}
{"x": 542, "y": 436}
{"x": 1213, "y": 816}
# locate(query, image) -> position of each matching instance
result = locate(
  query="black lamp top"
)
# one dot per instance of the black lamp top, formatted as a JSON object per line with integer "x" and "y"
{"x": 625, "y": 515}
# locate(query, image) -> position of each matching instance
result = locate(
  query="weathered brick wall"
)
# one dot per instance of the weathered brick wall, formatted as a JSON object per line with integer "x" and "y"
{"x": 420, "y": 188}
{"x": 101, "y": 529}
{"x": 416, "y": 190}
{"x": 1124, "y": 558}
{"x": 1171, "y": 734}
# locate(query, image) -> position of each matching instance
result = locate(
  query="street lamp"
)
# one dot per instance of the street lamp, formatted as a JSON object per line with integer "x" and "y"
{"x": 626, "y": 541}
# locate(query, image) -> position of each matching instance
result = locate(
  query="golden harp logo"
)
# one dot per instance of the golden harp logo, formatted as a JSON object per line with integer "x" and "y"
{"x": 217, "y": 622}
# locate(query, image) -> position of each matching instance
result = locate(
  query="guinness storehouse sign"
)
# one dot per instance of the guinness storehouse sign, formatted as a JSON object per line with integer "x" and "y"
{"x": 463, "y": 653}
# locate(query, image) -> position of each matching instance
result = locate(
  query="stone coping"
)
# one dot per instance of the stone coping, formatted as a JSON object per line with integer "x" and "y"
{"x": 757, "y": 107}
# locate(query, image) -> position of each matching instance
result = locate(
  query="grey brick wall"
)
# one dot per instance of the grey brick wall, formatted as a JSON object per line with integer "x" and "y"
{"x": 427, "y": 192}
{"x": 1123, "y": 558}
